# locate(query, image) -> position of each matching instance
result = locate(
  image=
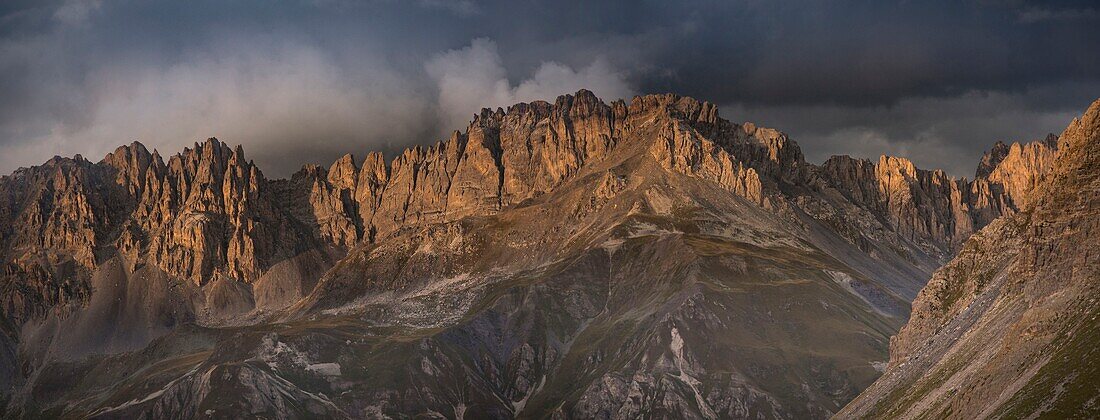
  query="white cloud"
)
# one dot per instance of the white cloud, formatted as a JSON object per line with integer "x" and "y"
{"x": 286, "y": 103}
{"x": 474, "y": 77}
{"x": 75, "y": 12}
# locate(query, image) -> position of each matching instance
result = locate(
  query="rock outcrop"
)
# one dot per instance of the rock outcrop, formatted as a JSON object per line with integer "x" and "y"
{"x": 1017, "y": 169}
{"x": 332, "y": 200}
{"x": 934, "y": 209}
{"x": 52, "y": 219}
{"x": 683, "y": 150}
{"x": 923, "y": 206}
{"x": 208, "y": 213}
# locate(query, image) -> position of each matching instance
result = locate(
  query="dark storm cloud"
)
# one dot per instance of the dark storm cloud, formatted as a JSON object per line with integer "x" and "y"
{"x": 305, "y": 81}
{"x": 949, "y": 133}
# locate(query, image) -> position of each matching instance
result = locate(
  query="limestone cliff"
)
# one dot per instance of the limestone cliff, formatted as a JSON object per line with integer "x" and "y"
{"x": 934, "y": 208}
{"x": 1017, "y": 169}
{"x": 206, "y": 213}
{"x": 684, "y": 150}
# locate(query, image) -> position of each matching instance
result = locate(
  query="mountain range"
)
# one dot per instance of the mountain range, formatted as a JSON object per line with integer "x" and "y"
{"x": 574, "y": 259}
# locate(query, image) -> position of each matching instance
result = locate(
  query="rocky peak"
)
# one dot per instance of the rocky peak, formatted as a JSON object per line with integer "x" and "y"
{"x": 372, "y": 180}
{"x": 895, "y": 170}
{"x": 205, "y": 213}
{"x": 536, "y": 110}
{"x": 56, "y": 207}
{"x": 927, "y": 207}
{"x": 1000, "y": 152}
{"x": 679, "y": 107}
{"x": 768, "y": 150}
{"x": 682, "y": 149}
{"x": 1017, "y": 169}
{"x": 1082, "y": 135}
{"x": 856, "y": 178}
{"x": 53, "y": 218}
{"x": 581, "y": 105}
{"x": 131, "y": 163}
{"x": 343, "y": 173}
{"x": 488, "y": 117}
{"x": 331, "y": 199}
{"x": 991, "y": 159}
{"x": 503, "y": 158}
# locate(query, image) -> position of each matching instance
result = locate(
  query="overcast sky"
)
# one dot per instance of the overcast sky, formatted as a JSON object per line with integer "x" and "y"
{"x": 307, "y": 81}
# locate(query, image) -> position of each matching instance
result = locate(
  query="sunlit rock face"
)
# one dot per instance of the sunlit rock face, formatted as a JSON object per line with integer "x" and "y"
{"x": 930, "y": 206}
{"x": 566, "y": 259}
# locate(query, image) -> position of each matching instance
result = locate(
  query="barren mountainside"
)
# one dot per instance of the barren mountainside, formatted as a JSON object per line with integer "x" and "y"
{"x": 567, "y": 259}
{"x": 1008, "y": 329}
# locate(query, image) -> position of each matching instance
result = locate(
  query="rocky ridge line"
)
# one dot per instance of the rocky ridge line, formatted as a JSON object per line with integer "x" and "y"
{"x": 209, "y": 213}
